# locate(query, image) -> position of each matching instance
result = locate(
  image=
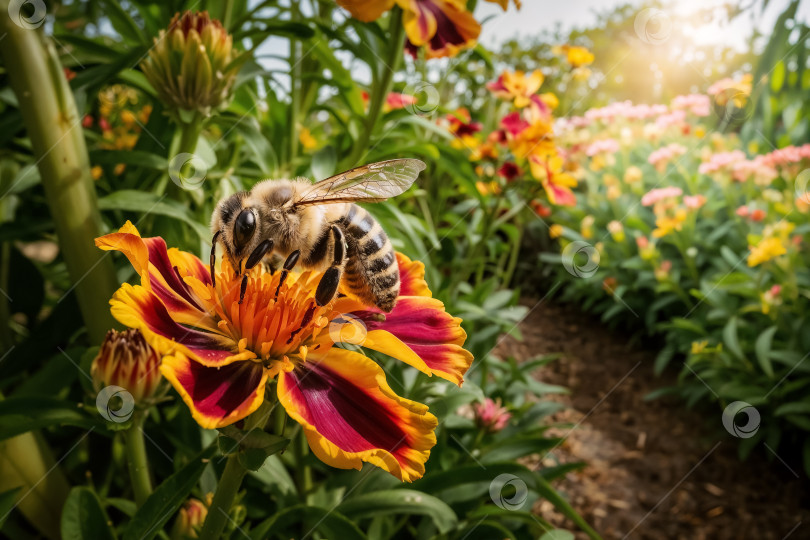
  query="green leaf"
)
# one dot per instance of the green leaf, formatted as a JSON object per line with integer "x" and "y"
{"x": 150, "y": 203}
{"x": 83, "y": 518}
{"x": 22, "y": 414}
{"x": 558, "y": 534}
{"x": 129, "y": 157}
{"x": 400, "y": 501}
{"x": 762, "y": 347}
{"x": 517, "y": 447}
{"x": 167, "y": 498}
{"x": 123, "y": 23}
{"x": 730, "y": 338}
{"x": 324, "y": 162}
{"x": 8, "y": 500}
{"x": 330, "y": 524}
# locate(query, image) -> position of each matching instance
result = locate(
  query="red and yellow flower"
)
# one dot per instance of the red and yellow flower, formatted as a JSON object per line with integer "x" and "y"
{"x": 557, "y": 183}
{"x": 517, "y": 86}
{"x": 219, "y": 354}
{"x": 442, "y": 27}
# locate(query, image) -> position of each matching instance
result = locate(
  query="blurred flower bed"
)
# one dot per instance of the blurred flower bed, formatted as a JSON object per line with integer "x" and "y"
{"x": 682, "y": 230}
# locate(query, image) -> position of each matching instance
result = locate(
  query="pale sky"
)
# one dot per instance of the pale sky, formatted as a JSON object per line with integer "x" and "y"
{"x": 546, "y": 14}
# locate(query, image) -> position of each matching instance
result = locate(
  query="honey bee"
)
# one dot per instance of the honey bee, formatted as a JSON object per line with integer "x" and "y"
{"x": 319, "y": 226}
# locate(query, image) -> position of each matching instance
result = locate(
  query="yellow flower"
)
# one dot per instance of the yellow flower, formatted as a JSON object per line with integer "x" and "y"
{"x": 632, "y": 175}
{"x": 96, "y": 172}
{"x": 550, "y": 99}
{"x": 306, "y": 139}
{"x": 766, "y": 250}
{"x": 579, "y": 56}
{"x": 555, "y": 231}
{"x": 667, "y": 224}
{"x": 586, "y": 227}
{"x": 699, "y": 346}
{"x": 516, "y": 85}
{"x": 581, "y": 74}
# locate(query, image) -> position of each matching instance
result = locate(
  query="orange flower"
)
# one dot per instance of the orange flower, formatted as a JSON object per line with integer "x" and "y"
{"x": 366, "y": 10}
{"x": 219, "y": 354}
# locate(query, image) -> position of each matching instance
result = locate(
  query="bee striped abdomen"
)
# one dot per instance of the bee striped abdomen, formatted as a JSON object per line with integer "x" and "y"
{"x": 372, "y": 272}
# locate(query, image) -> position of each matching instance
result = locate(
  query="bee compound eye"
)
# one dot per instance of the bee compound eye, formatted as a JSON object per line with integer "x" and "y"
{"x": 244, "y": 227}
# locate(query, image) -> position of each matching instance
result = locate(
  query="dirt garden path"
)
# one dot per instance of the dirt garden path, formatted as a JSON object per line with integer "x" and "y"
{"x": 655, "y": 470}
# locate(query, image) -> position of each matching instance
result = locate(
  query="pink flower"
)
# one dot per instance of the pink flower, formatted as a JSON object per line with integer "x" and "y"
{"x": 762, "y": 172}
{"x": 721, "y": 161}
{"x": 694, "y": 201}
{"x": 697, "y": 104}
{"x": 490, "y": 415}
{"x": 742, "y": 211}
{"x": 659, "y": 194}
{"x": 604, "y": 146}
{"x": 659, "y": 158}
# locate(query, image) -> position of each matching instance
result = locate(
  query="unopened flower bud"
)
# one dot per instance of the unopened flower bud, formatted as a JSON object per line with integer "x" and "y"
{"x": 192, "y": 64}
{"x": 126, "y": 360}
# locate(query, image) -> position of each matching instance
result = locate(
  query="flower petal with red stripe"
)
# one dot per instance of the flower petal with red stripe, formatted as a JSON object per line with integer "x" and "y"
{"x": 351, "y": 415}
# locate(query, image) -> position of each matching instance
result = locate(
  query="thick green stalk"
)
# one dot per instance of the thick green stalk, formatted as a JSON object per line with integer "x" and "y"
{"x": 136, "y": 460}
{"x": 223, "y": 499}
{"x": 379, "y": 92}
{"x": 54, "y": 127}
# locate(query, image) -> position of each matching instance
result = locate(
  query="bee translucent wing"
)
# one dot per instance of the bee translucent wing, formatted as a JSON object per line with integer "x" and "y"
{"x": 372, "y": 183}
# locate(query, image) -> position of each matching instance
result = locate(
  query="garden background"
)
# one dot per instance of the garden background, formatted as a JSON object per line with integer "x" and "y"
{"x": 607, "y": 245}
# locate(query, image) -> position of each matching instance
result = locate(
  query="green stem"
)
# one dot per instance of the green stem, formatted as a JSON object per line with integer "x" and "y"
{"x": 295, "y": 97}
{"x": 227, "y": 489}
{"x": 53, "y": 125}
{"x": 380, "y": 91}
{"x": 303, "y": 473}
{"x": 137, "y": 461}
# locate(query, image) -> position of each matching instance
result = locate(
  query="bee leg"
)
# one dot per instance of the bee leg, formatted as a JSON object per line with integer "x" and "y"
{"x": 213, "y": 260}
{"x": 258, "y": 254}
{"x": 289, "y": 264}
{"x": 328, "y": 286}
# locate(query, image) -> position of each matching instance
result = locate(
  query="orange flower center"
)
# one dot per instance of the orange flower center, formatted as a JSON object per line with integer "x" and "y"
{"x": 278, "y": 324}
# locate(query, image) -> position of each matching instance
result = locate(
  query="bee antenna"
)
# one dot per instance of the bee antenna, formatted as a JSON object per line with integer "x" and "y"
{"x": 214, "y": 257}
